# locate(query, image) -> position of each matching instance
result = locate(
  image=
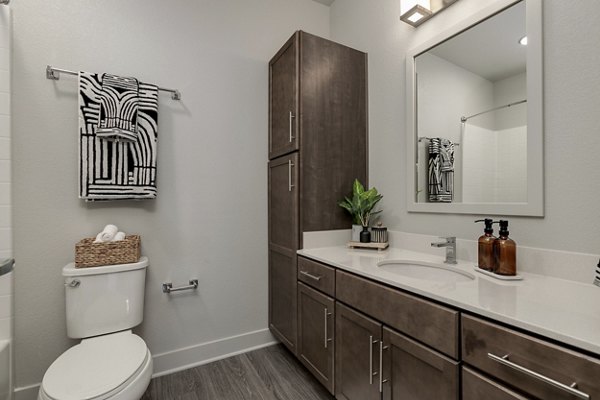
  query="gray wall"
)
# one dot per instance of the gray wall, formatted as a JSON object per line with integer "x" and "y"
{"x": 571, "y": 104}
{"x": 209, "y": 220}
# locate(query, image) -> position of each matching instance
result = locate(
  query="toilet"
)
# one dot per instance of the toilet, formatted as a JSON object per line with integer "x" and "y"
{"x": 110, "y": 362}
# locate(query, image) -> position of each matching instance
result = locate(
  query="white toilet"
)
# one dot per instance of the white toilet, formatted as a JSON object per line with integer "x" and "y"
{"x": 103, "y": 304}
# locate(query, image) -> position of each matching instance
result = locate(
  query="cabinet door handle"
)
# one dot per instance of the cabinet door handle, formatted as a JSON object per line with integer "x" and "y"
{"x": 291, "y": 127}
{"x": 290, "y": 184}
{"x": 311, "y": 276}
{"x": 381, "y": 380}
{"x": 326, "y": 339}
{"x": 371, "y": 373}
{"x": 569, "y": 389}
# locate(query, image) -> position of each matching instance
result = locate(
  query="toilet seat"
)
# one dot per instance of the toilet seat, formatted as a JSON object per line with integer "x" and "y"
{"x": 98, "y": 368}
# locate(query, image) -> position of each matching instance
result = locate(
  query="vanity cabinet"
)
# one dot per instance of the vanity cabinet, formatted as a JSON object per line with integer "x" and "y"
{"x": 475, "y": 386}
{"x": 531, "y": 365}
{"x": 316, "y": 346}
{"x": 398, "y": 366}
{"x": 414, "y": 371}
{"x": 357, "y": 355}
{"x": 317, "y": 147}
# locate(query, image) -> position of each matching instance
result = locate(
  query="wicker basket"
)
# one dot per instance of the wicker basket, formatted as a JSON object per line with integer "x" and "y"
{"x": 90, "y": 254}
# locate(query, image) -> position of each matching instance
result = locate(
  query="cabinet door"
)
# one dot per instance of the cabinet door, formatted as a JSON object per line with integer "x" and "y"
{"x": 283, "y": 243}
{"x": 356, "y": 355}
{"x": 283, "y": 100}
{"x": 315, "y": 333}
{"x": 476, "y": 387}
{"x": 416, "y": 372}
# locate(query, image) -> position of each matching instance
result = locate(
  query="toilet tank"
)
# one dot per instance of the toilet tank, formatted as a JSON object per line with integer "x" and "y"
{"x": 105, "y": 299}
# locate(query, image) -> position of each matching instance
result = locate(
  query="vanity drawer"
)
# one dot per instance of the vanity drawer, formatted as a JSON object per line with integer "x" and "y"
{"x": 534, "y": 366}
{"x": 476, "y": 387}
{"x": 317, "y": 275}
{"x": 432, "y": 324}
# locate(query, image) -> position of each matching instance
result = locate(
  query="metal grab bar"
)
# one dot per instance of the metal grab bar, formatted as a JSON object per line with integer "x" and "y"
{"x": 54, "y": 74}
{"x": 168, "y": 287}
{"x": 569, "y": 389}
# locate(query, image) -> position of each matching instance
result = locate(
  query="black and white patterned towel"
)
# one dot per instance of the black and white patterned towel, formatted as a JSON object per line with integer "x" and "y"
{"x": 119, "y": 102}
{"x": 111, "y": 170}
{"x": 441, "y": 170}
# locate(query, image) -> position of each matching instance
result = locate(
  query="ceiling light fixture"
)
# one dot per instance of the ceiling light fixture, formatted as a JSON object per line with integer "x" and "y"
{"x": 523, "y": 41}
{"x": 415, "y": 12}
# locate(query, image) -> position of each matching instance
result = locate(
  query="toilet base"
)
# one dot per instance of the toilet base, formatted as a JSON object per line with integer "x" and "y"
{"x": 133, "y": 391}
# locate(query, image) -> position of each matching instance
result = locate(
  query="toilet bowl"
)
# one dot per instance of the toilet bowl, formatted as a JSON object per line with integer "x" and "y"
{"x": 110, "y": 362}
{"x": 117, "y": 366}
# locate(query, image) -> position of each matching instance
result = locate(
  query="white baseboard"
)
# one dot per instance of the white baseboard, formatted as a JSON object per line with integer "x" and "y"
{"x": 188, "y": 357}
{"x": 27, "y": 392}
{"x": 204, "y": 353}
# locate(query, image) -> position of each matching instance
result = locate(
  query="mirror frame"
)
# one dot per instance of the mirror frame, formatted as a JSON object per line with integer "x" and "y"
{"x": 535, "y": 119}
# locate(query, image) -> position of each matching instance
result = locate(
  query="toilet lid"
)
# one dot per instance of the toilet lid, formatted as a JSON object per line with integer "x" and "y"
{"x": 95, "y": 367}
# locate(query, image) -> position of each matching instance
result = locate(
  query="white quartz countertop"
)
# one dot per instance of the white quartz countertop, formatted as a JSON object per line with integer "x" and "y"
{"x": 564, "y": 310}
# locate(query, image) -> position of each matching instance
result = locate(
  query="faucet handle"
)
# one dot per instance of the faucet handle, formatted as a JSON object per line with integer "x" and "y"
{"x": 449, "y": 239}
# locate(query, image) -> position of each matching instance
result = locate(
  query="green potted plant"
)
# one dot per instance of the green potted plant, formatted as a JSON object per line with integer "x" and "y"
{"x": 360, "y": 206}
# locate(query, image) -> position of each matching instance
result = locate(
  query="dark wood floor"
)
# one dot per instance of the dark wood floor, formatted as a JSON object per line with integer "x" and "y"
{"x": 271, "y": 373}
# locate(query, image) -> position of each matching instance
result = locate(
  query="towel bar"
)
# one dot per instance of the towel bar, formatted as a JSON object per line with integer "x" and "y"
{"x": 167, "y": 287}
{"x": 54, "y": 74}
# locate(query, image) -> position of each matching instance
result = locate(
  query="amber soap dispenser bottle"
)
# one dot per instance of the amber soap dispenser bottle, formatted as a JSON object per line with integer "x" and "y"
{"x": 505, "y": 251}
{"x": 485, "y": 247}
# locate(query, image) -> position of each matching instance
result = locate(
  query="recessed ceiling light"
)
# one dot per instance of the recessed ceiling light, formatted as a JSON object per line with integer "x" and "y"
{"x": 523, "y": 41}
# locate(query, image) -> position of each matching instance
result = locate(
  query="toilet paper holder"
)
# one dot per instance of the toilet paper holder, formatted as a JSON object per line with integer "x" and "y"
{"x": 167, "y": 287}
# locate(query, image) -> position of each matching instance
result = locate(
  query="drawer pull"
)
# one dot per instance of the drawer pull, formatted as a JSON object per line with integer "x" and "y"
{"x": 311, "y": 276}
{"x": 569, "y": 389}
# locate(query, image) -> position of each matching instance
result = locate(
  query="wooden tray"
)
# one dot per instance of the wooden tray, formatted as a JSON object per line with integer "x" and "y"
{"x": 371, "y": 245}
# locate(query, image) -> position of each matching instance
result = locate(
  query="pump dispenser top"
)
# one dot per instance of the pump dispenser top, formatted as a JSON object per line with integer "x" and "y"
{"x": 485, "y": 246}
{"x": 505, "y": 251}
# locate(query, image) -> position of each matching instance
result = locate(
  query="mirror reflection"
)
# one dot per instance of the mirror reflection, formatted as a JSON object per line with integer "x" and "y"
{"x": 471, "y": 108}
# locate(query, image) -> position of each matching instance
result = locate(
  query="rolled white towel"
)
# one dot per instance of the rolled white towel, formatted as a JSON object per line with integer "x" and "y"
{"x": 98, "y": 238}
{"x": 107, "y": 234}
{"x": 119, "y": 236}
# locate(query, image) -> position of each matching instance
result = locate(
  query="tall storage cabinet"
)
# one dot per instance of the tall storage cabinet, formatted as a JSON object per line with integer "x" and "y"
{"x": 317, "y": 147}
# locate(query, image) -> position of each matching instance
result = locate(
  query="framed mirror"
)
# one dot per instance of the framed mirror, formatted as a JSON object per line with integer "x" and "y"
{"x": 475, "y": 115}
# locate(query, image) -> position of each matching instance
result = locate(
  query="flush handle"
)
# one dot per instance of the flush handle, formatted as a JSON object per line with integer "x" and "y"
{"x": 73, "y": 284}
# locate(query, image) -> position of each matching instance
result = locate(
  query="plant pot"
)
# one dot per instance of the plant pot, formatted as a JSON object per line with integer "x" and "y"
{"x": 365, "y": 235}
{"x": 356, "y": 229}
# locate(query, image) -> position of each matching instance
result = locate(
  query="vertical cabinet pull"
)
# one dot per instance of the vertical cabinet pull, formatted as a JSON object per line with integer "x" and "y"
{"x": 290, "y": 184}
{"x": 371, "y": 373}
{"x": 381, "y": 380}
{"x": 326, "y": 338}
{"x": 291, "y": 127}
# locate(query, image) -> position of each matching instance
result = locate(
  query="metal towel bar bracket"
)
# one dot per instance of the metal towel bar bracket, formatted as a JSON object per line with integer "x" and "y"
{"x": 168, "y": 286}
{"x": 53, "y": 73}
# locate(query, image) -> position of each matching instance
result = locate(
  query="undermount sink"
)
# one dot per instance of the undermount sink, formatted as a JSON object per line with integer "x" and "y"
{"x": 425, "y": 271}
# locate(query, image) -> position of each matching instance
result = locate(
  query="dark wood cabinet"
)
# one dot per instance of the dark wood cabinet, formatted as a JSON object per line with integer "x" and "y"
{"x": 414, "y": 371}
{"x": 434, "y": 325}
{"x": 533, "y": 366}
{"x": 317, "y": 147}
{"x": 283, "y": 102}
{"x": 357, "y": 355}
{"x": 283, "y": 244}
{"x": 475, "y": 386}
{"x": 316, "y": 345}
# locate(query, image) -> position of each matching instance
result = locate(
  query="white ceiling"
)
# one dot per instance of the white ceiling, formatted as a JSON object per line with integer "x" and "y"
{"x": 490, "y": 49}
{"x": 326, "y": 2}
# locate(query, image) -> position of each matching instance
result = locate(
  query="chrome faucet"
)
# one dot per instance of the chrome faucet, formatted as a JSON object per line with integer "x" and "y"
{"x": 450, "y": 245}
